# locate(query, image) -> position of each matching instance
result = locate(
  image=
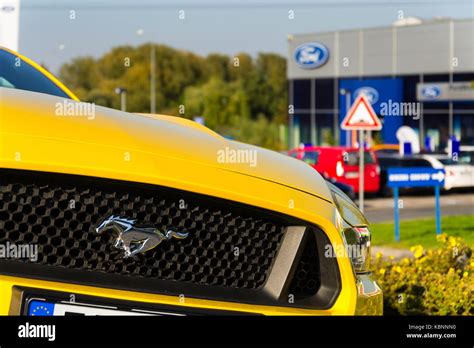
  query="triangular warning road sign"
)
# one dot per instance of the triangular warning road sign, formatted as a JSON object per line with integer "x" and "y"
{"x": 361, "y": 116}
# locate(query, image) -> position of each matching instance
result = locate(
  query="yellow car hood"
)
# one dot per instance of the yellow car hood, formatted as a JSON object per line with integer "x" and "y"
{"x": 27, "y": 115}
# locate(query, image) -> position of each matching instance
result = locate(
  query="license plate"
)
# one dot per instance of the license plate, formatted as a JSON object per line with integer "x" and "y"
{"x": 39, "y": 307}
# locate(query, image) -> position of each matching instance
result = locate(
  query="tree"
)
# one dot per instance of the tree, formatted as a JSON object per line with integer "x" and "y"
{"x": 217, "y": 65}
{"x": 238, "y": 96}
{"x": 80, "y": 75}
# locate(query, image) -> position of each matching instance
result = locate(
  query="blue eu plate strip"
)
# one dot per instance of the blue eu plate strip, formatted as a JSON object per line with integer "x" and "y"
{"x": 40, "y": 308}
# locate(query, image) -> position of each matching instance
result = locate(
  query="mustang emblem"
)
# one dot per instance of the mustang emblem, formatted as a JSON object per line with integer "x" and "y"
{"x": 133, "y": 240}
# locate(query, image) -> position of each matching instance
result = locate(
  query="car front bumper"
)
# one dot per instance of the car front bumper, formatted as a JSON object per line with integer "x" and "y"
{"x": 12, "y": 290}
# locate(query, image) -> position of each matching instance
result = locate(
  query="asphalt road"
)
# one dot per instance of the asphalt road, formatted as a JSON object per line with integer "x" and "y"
{"x": 415, "y": 207}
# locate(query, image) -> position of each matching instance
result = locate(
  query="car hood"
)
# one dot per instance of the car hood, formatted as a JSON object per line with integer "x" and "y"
{"x": 48, "y": 117}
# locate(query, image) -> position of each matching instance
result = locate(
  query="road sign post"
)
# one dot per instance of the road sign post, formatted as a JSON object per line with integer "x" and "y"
{"x": 438, "y": 211}
{"x": 395, "y": 213}
{"x": 361, "y": 116}
{"x": 361, "y": 170}
{"x": 415, "y": 177}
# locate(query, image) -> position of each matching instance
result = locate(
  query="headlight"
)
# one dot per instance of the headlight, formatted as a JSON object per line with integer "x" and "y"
{"x": 355, "y": 230}
{"x": 358, "y": 247}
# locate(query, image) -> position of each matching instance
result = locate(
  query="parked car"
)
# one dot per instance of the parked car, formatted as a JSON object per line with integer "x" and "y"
{"x": 386, "y": 149}
{"x": 457, "y": 174}
{"x": 130, "y": 213}
{"x": 342, "y": 164}
{"x": 466, "y": 155}
{"x": 387, "y": 161}
{"x": 347, "y": 189}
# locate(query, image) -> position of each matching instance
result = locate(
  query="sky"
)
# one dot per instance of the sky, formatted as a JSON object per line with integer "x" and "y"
{"x": 49, "y": 36}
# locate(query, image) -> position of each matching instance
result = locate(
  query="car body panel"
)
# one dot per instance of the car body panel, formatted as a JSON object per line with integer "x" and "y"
{"x": 121, "y": 140}
{"x": 370, "y": 298}
{"x": 459, "y": 176}
{"x": 344, "y": 305}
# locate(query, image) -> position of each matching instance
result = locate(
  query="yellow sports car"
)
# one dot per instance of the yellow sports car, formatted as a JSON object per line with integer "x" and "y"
{"x": 107, "y": 212}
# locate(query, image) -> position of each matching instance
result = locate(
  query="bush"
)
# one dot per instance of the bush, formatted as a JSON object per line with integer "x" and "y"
{"x": 434, "y": 282}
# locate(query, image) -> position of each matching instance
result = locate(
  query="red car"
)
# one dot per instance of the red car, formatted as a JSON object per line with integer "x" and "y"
{"x": 342, "y": 164}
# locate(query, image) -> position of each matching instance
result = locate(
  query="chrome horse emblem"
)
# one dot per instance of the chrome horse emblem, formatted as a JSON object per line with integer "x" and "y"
{"x": 134, "y": 240}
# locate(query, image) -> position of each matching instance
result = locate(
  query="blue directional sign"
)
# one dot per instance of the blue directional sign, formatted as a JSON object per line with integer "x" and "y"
{"x": 415, "y": 177}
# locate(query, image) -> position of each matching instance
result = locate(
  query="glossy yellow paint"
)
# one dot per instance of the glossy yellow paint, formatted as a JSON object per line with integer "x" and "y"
{"x": 163, "y": 151}
{"x": 7, "y": 284}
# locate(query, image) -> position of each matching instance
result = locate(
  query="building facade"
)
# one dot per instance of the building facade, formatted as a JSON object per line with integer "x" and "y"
{"x": 420, "y": 75}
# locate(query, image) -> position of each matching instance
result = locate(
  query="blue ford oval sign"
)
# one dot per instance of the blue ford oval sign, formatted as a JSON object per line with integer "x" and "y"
{"x": 370, "y": 93}
{"x": 8, "y": 8}
{"x": 431, "y": 92}
{"x": 311, "y": 55}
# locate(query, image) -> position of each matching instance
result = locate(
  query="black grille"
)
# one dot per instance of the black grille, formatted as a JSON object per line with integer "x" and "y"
{"x": 228, "y": 245}
{"x": 306, "y": 280}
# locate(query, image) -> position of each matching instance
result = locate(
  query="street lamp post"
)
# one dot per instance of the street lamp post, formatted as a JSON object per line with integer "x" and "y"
{"x": 152, "y": 80}
{"x": 123, "y": 97}
{"x": 140, "y": 32}
{"x": 347, "y": 93}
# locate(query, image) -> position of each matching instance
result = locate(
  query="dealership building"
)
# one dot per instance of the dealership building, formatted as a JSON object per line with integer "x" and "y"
{"x": 415, "y": 73}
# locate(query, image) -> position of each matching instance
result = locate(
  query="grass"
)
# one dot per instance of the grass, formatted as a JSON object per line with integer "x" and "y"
{"x": 423, "y": 231}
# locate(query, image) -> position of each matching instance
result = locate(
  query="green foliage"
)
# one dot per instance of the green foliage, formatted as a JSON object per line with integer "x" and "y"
{"x": 421, "y": 231}
{"x": 217, "y": 66}
{"x": 239, "y": 96}
{"x": 435, "y": 282}
{"x": 259, "y": 131}
{"x": 81, "y": 75}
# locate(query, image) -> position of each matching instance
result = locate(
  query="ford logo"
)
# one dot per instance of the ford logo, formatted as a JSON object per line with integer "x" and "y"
{"x": 371, "y": 94}
{"x": 311, "y": 55}
{"x": 431, "y": 92}
{"x": 8, "y": 8}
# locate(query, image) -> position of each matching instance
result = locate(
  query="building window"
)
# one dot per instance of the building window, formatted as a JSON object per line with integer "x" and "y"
{"x": 302, "y": 94}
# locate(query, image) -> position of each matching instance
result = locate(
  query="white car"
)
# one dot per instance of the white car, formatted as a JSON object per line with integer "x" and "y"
{"x": 458, "y": 174}
{"x": 466, "y": 155}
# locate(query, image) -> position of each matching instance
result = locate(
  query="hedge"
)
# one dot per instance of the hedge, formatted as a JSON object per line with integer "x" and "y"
{"x": 434, "y": 282}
